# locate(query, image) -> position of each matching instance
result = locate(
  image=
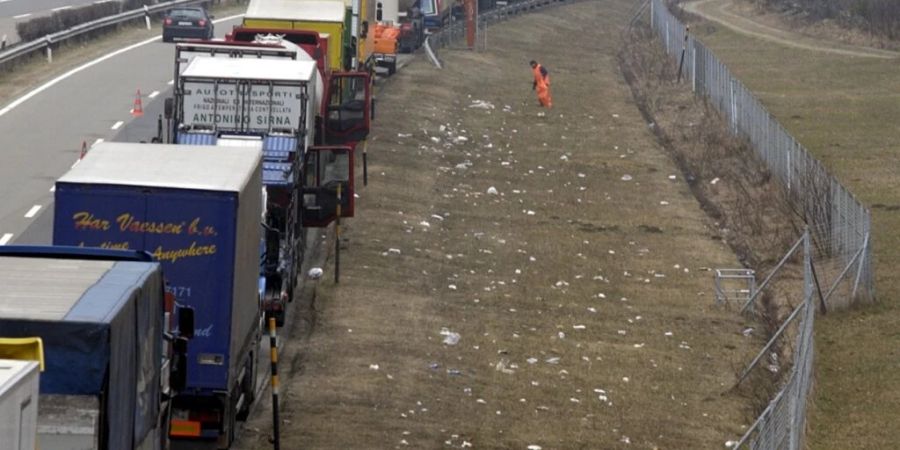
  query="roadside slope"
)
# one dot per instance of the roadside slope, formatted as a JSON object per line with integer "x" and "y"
{"x": 578, "y": 291}
{"x": 843, "y": 110}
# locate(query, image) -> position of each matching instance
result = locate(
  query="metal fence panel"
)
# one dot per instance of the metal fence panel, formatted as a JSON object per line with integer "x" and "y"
{"x": 837, "y": 243}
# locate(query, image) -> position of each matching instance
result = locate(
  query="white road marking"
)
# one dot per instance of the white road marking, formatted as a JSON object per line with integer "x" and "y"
{"x": 31, "y": 212}
{"x": 4, "y": 1}
{"x": 6, "y": 237}
{"x": 61, "y": 8}
{"x": 153, "y": 94}
{"x": 53, "y": 188}
{"x": 87, "y": 65}
{"x": 117, "y": 125}
{"x": 76, "y": 162}
{"x": 21, "y": 16}
{"x": 97, "y": 142}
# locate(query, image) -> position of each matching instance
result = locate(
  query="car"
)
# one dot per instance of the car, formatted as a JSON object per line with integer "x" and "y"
{"x": 187, "y": 23}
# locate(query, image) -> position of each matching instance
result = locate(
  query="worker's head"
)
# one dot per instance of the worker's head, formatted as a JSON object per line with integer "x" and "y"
{"x": 533, "y": 63}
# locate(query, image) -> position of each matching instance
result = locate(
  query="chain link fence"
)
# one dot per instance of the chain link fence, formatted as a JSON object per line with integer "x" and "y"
{"x": 829, "y": 266}
{"x": 837, "y": 219}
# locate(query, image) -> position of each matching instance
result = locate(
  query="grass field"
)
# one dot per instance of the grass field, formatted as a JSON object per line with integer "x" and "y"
{"x": 580, "y": 289}
{"x": 844, "y": 110}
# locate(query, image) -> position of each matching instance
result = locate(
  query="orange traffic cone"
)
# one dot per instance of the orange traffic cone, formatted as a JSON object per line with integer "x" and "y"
{"x": 138, "y": 109}
{"x": 83, "y": 149}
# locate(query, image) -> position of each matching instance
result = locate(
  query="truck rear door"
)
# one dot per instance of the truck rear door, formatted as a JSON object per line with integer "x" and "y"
{"x": 348, "y": 108}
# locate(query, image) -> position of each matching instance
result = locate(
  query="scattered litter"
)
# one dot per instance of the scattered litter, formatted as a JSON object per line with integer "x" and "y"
{"x": 403, "y": 135}
{"x": 425, "y": 224}
{"x": 315, "y": 273}
{"x": 625, "y": 440}
{"x": 537, "y": 447}
{"x": 492, "y": 191}
{"x": 622, "y": 332}
{"x": 714, "y": 180}
{"x": 641, "y": 345}
{"x": 625, "y": 379}
{"x": 531, "y": 360}
{"x": 552, "y": 360}
{"x": 373, "y": 366}
{"x": 748, "y": 331}
{"x": 672, "y": 177}
{"x": 452, "y": 287}
{"x": 394, "y": 250}
{"x": 450, "y": 337}
{"x": 561, "y": 335}
{"x": 615, "y": 116}
{"x": 730, "y": 444}
{"x": 466, "y": 444}
{"x": 626, "y": 177}
{"x": 574, "y": 400}
{"x": 435, "y": 216}
{"x": 669, "y": 333}
{"x": 578, "y": 327}
{"x": 481, "y": 400}
{"x": 454, "y": 372}
{"x": 564, "y": 158}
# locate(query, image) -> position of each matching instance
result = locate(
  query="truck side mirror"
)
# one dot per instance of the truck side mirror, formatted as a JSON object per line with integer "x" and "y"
{"x": 186, "y": 322}
{"x": 169, "y": 108}
{"x": 178, "y": 370}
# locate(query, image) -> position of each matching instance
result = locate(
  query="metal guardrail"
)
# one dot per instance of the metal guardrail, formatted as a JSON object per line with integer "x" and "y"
{"x": 27, "y": 48}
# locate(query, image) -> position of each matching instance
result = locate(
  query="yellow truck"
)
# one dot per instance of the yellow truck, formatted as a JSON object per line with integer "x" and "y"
{"x": 350, "y": 42}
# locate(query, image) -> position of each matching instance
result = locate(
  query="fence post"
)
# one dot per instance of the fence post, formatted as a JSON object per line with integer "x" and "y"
{"x": 860, "y": 263}
{"x": 147, "y": 16}
{"x": 694, "y": 65}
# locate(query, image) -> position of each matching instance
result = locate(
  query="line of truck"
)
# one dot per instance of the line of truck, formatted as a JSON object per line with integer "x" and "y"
{"x": 168, "y": 257}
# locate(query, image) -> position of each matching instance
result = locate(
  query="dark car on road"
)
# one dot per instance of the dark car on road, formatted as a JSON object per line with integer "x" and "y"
{"x": 187, "y": 23}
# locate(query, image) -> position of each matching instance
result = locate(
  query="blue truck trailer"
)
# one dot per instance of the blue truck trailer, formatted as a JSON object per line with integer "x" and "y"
{"x": 109, "y": 370}
{"x": 197, "y": 210}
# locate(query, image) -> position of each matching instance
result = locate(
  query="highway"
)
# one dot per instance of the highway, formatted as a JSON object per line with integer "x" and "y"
{"x": 43, "y": 135}
{"x": 14, "y": 11}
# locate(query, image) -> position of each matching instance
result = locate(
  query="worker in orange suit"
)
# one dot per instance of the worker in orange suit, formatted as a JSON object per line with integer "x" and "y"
{"x": 541, "y": 84}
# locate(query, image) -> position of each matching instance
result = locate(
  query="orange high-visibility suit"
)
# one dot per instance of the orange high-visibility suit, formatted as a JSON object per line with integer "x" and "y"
{"x": 542, "y": 85}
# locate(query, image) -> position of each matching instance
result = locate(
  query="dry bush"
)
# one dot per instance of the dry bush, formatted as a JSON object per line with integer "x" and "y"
{"x": 878, "y": 17}
{"x": 61, "y": 20}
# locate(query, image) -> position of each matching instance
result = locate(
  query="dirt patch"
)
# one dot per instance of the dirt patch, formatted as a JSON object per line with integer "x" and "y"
{"x": 577, "y": 328}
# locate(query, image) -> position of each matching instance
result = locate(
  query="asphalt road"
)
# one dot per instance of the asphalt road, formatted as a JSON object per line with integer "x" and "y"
{"x": 14, "y": 11}
{"x": 43, "y": 136}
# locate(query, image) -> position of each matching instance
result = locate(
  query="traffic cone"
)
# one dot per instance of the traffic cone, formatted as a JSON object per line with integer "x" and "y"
{"x": 138, "y": 109}
{"x": 83, "y": 149}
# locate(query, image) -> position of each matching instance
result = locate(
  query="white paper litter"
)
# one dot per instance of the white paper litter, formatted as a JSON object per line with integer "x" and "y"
{"x": 626, "y": 177}
{"x": 552, "y": 360}
{"x": 481, "y": 104}
{"x": 492, "y": 191}
{"x": 373, "y": 366}
{"x": 394, "y": 250}
{"x": 714, "y": 180}
{"x": 450, "y": 337}
{"x": 315, "y": 273}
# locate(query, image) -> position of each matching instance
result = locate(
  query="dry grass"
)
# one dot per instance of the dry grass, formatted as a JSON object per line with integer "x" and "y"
{"x": 843, "y": 110}
{"x": 566, "y": 243}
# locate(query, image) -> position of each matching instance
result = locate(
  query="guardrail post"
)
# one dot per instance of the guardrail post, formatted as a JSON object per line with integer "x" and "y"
{"x": 147, "y": 16}
{"x": 49, "y": 50}
{"x": 3, "y": 45}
